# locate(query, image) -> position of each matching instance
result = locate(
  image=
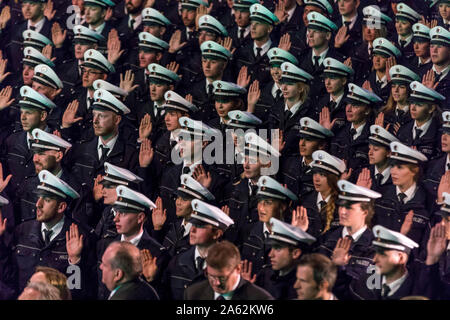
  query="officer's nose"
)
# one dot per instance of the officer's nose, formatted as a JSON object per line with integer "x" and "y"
{"x": 39, "y": 202}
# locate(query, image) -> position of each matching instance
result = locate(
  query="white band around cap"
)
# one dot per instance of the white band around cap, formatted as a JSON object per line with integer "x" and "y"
{"x": 198, "y": 217}
{"x": 126, "y": 204}
{"x": 116, "y": 181}
{"x": 354, "y": 199}
{"x": 326, "y": 168}
{"x": 271, "y": 195}
{"x": 272, "y": 236}
{"x": 62, "y": 195}
{"x": 388, "y": 245}
{"x": 44, "y": 146}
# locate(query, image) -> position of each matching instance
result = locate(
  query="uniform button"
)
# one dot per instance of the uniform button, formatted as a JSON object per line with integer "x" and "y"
{"x": 399, "y": 220}
{"x": 254, "y": 253}
{"x": 40, "y": 259}
{"x": 185, "y": 286}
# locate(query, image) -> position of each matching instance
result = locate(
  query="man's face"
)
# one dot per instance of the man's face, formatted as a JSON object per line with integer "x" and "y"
{"x": 305, "y": 285}
{"x": 204, "y": 35}
{"x": 422, "y": 49}
{"x": 183, "y": 207}
{"x": 370, "y": 34}
{"x": 46, "y": 160}
{"x": 242, "y": 18}
{"x": 133, "y": 6}
{"x": 281, "y": 258}
{"x": 259, "y": 30}
{"x": 275, "y": 72}
{"x": 46, "y": 209}
{"x": 268, "y": 208}
{"x": 223, "y": 280}
{"x": 307, "y": 147}
{"x": 252, "y": 168}
{"x": 188, "y": 17}
{"x": 379, "y": 62}
{"x": 355, "y": 114}
{"x": 440, "y": 54}
{"x": 32, "y": 11}
{"x": 30, "y": 119}
{"x": 27, "y": 74}
{"x": 377, "y": 154}
{"x": 309, "y": 9}
{"x": 387, "y": 261}
{"x": 89, "y": 75}
{"x": 147, "y": 57}
{"x": 104, "y": 122}
{"x": 44, "y": 90}
{"x": 335, "y": 85}
{"x": 201, "y": 235}
{"x": 94, "y": 14}
{"x": 403, "y": 27}
{"x": 212, "y": 68}
{"x": 316, "y": 38}
{"x": 109, "y": 194}
{"x": 157, "y": 31}
{"x": 80, "y": 49}
{"x": 157, "y": 91}
{"x": 445, "y": 141}
{"x": 171, "y": 119}
{"x": 128, "y": 223}
{"x": 352, "y": 215}
{"x": 108, "y": 273}
{"x": 347, "y": 7}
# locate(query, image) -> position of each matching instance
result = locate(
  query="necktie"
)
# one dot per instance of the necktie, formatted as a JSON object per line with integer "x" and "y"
{"x": 378, "y": 178}
{"x": 402, "y": 43}
{"x": 182, "y": 230}
{"x": 147, "y": 79}
{"x": 436, "y": 76}
{"x": 448, "y": 166}
{"x": 199, "y": 261}
{"x": 254, "y": 189}
{"x": 33, "y": 28}
{"x": 210, "y": 91}
{"x": 316, "y": 62}
{"x": 322, "y": 204}
{"x": 347, "y": 24}
{"x": 418, "y": 133}
{"x": 331, "y": 105}
{"x": 91, "y": 102}
{"x": 258, "y": 52}
{"x": 241, "y": 33}
{"x": 220, "y": 298}
{"x": 266, "y": 234}
{"x": 400, "y": 113}
{"x": 402, "y": 197}
{"x": 379, "y": 83}
{"x": 47, "y": 235}
{"x": 287, "y": 115}
{"x": 173, "y": 143}
{"x": 104, "y": 153}
{"x": 386, "y": 290}
{"x": 132, "y": 21}
{"x": 190, "y": 35}
{"x": 186, "y": 170}
{"x": 278, "y": 94}
{"x": 352, "y": 132}
{"x": 370, "y": 52}
{"x": 349, "y": 237}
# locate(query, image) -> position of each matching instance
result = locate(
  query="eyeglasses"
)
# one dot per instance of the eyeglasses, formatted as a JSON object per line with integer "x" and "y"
{"x": 221, "y": 279}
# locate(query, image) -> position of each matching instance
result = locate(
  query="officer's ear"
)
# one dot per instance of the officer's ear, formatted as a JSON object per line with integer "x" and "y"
{"x": 296, "y": 253}
{"x": 357, "y": 3}
{"x": 104, "y": 76}
{"x": 324, "y": 285}
{"x": 103, "y": 14}
{"x": 218, "y": 233}
{"x": 159, "y": 56}
{"x": 403, "y": 258}
{"x": 269, "y": 29}
{"x": 62, "y": 206}
{"x": 328, "y": 36}
{"x": 117, "y": 119}
{"x": 141, "y": 217}
{"x": 432, "y": 108}
{"x": 171, "y": 87}
{"x": 43, "y": 116}
{"x": 162, "y": 30}
{"x": 118, "y": 275}
{"x": 59, "y": 155}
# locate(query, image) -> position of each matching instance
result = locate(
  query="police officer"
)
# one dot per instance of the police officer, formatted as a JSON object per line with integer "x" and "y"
{"x": 421, "y": 40}
{"x": 208, "y": 225}
{"x": 95, "y": 11}
{"x": 155, "y": 23}
{"x": 405, "y": 18}
{"x": 239, "y": 30}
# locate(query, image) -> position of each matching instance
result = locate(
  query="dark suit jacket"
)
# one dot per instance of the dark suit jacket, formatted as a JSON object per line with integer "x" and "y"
{"x": 135, "y": 290}
{"x": 244, "y": 291}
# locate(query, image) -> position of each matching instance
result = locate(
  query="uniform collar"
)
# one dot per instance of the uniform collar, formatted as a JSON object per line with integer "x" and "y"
{"x": 275, "y": 88}
{"x": 407, "y": 39}
{"x": 265, "y": 47}
{"x": 395, "y": 285}
{"x": 134, "y": 240}
{"x": 111, "y": 143}
{"x": 409, "y": 193}
{"x": 290, "y": 13}
{"x": 352, "y": 21}
{"x": 355, "y": 235}
{"x": 322, "y": 56}
{"x": 98, "y": 29}
{"x": 196, "y": 255}
{"x": 38, "y": 26}
{"x": 359, "y": 130}
{"x": 338, "y": 100}
{"x": 320, "y": 199}
{"x": 386, "y": 173}
{"x": 294, "y": 108}
{"x": 137, "y": 21}
{"x": 57, "y": 228}
{"x": 383, "y": 80}
{"x": 187, "y": 228}
{"x": 423, "y": 127}
{"x": 443, "y": 73}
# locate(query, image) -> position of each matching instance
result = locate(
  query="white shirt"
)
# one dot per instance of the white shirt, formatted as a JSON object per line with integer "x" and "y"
{"x": 99, "y": 29}
{"x": 265, "y": 230}
{"x": 246, "y": 31}
{"x": 352, "y": 21}
{"x": 409, "y": 193}
{"x": 137, "y": 21}
{"x": 38, "y": 25}
{"x": 294, "y": 108}
{"x": 425, "y": 62}
{"x": 228, "y": 295}
{"x": 423, "y": 127}
{"x": 187, "y": 227}
{"x": 187, "y": 32}
{"x": 383, "y": 80}
{"x": 320, "y": 199}
{"x": 407, "y": 39}
{"x": 443, "y": 73}
{"x": 57, "y": 228}
{"x": 355, "y": 235}
{"x": 404, "y": 108}
{"x": 135, "y": 240}
{"x": 358, "y": 130}
{"x": 395, "y": 285}
{"x": 109, "y": 145}
{"x": 265, "y": 47}
{"x": 338, "y": 99}
{"x": 207, "y": 84}
{"x": 290, "y": 13}
{"x": 88, "y": 103}
{"x": 157, "y": 108}
{"x": 386, "y": 174}
{"x": 322, "y": 56}
{"x": 196, "y": 255}
{"x": 275, "y": 88}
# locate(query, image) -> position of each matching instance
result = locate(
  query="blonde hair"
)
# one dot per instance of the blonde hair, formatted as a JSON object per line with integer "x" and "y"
{"x": 56, "y": 279}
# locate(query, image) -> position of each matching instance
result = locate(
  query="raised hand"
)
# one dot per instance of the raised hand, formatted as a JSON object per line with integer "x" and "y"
{"x": 3, "y": 64}
{"x": 285, "y": 42}
{"x": 188, "y": 97}
{"x": 5, "y": 16}
{"x": 58, "y": 36}
{"x": 97, "y": 190}
{"x": 397, "y": 126}
{"x": 246, "y": 271}
{"x": 149, "y": 3}
{"x": 145, "y": 127}
{"x": 341, "y": 37}
{"x": 5, "y": 96}
{"x": 202, "y": 176}
{"x": 114, "y": 46}
{"x": 226, "y": 210}
{"x": 436, "y": 245}
{"x": 340, "y": 255}
{"x": 47, "y": 52}
{"x": 444, "y": 186}
{"x": 364, "y": 179}
{"x": 173, "y": 66}
{"x": 146, "y": 153}
{"x": 380, "y": 119}
{"x": 57, "y": 133}
{"x": 325, "y": 118}
{"x": 149, "y": 266}
{"x": 366, "y": 85}
{"x": 253, "y": 96}
{"x": 69, "y": 116}
{"x": 348, "y": 62}
{"x": 127, "y": 80}
{"x": 347, "y": 174}
{"x": 74, "y": 244}
{"x": 2, "y": 223}
{"x": 175, "y": 42}
{"x": 243, "y": 79}
{"x": 280, "y": 10}
{"x": 159, "y": 215}
{"x": 48, "y": 11}
{"x": 201, "y": 11}
{"x": 390, "y": 62}
{"x": 227, "y": 43}
{"x": 280, "y": 143}
{"x": 109, "y": 14}
{"x": 407, "y": 223}
{"x": 428, "y": 80}
{"x": 300, "y": 218}
{"x": 3, "y": 182}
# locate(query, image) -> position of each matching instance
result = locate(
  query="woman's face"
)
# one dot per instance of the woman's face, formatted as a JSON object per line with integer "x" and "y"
{"x": 402, "y": 175}
{"x": 321, "y": 183}
{"x": 351, "y": 216}
{"x": 420, "y": 112}
{"x": 399, "y": 92}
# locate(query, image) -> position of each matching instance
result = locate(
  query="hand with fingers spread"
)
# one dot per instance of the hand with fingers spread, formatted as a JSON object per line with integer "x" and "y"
{"x": 201, "y": 11}
{"x": 226, "y": 210}
{"x": 280, "y": 10}
{"x": 49, "y": 13}
{"x": 300, "y": 218}
{"x": 4, "y": 182}
{"x": 173, "y": 66}
{"x": 380, "y": 119}
{"x": 246, "y": 271}
{"x": 149, "y": 266}
{"x": 325, "y": 118}
{"x": 145, "y": 128}
{"x": 188, "y": 98}
{"x": 444, "y": 186}
{"x": 341, "y": 37}
{"x": 340, "y": 255}
{"x": 159, "y": 215}
{"x": 407, "y": 223}
{"x": 58, "y": 35}
{"x": 243, "y": 79}
{"x": 2, "y": 223}
{"x": 428, "y": 80}
{"x": 175, "y": 43}
{"x": 280, "y": 143}
{"x": 5, "y": 96}
{"x": 47, "y": 52}
{"x": 366, "y": 85}
{"x": 437, "y": 243}
{"x": 114, "y": 47}
{"x": 74, "y": 244}
{"x": 3, "y": 64}
{"x": 109, "y": 14}
{"x": 69, "y": 117}
{"x": 253, "y": 96}
{"x": 127, "y": 80}
{"x": 97, "y": 190}
{"x": 227, "y": 43}
{"x": 202, "y": 176}
{"x": 5, "y": 16}
{"x": 390, "y": 62}
{"x": 364, "y": 179}
{"x": 146, "y": 153}
{"x": 347, "y": 174}
{"x": 57, "y": 133}
{"x": 285, "y": 42}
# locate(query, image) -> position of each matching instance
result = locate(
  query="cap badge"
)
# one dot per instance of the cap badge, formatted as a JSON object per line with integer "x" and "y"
{"x": 320, "y": 156}
{"x": 238, "y": 116}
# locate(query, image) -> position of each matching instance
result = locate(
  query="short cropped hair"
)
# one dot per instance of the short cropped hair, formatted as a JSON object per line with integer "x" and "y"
{"x": 222, "y": 255}
{"x": 127, "y": 258}
{"x": 322, "y": 267}
{"x": 46, "y": 290}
